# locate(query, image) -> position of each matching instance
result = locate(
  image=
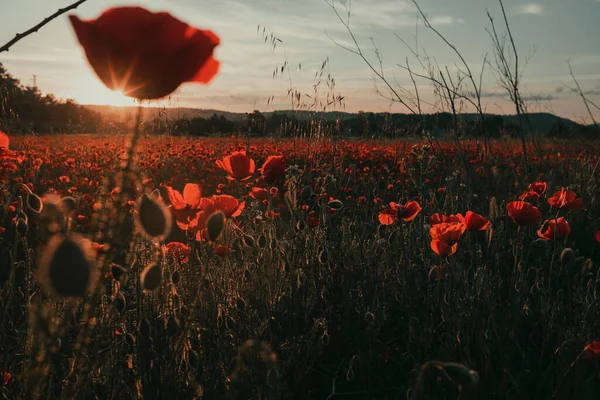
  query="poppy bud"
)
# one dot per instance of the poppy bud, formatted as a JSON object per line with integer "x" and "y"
{"x": 433, "y": 274}
{"x": 172, "y": 325}
{"x": 176, "y": 277}
{"x": 335, "y": 204}
{"x": 567, "y": 256}
{"x": 230, "y": 322}
{"x": 193, "y": 359}
{"x": 240, "y": 304}
{"x": 69, "y": 203}
{"x": 117, "y": 271}
{"x": 130, "y": 340}
{"x": 34, "y": 203}
{"x": 144, "y": 327}
{"x": 369, "y": 317}
{"x": 463, "y": 376}
{"x": 323, "y": 256}
{"x": 152, "y": 217}
{"x": 119, "y": 302}
{"x": 306, "y": 193}
{"x": 66, "y": 267}
{"x": 248, "y": 240}
{"x": 262, "y": 241}
{"x": 215, "y": 225}
{"x": 151, "y": 277}
{"x": 22, "y": 227}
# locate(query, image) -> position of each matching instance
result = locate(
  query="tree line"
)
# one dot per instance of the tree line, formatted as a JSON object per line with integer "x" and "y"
{"x": 24, "y": 109}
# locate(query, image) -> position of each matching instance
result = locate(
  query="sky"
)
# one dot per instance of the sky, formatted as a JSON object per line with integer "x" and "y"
{"x": 548, "y": 33}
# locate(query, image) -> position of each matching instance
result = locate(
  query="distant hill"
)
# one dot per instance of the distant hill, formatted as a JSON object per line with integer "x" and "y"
{"x": 541, "y": 122}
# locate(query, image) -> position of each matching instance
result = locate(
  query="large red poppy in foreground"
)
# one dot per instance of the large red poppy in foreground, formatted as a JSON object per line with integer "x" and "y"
{"x": 146, "y": 55}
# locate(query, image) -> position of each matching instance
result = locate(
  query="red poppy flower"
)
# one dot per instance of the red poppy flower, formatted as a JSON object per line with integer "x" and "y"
{"x": 591, "y": 351}
{"x": 538, "y": 187}
{"x": 407, "y": 212}
{"x": 566, "y": 199}
{"x": 185, "y": 207}
{"x": 177, "y": 251}
{"x": 3, "y": 141}
{"x": 445, "y": 236}
{"x": 530, "y": 195}
{"x": 597, "y": 236}
{"x": 258, "y": 193}
{"x": 523, "y": 213}
{"x": 144, "y": 54}
{"x": 6, "y": 377}
{"x": 442, "y": 249}
{"x": 238, "y": 165}
{"x": 438, "y": 218}
{"x": 554, "y": 229}
{"x": 476, "y": 222}
{"x": 225, "y": 203}
{"x": 273, "y": 168}
{"x": 221, "y": 250}
{"x": 313, "y": 222}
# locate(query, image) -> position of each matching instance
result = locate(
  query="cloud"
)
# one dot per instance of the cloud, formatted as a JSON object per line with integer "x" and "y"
{"x": 531, "y": 9}
{"x": 445, "y": 20}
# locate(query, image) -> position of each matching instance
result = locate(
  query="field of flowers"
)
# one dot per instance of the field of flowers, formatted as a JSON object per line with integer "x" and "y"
{"x": 254, "y": 268}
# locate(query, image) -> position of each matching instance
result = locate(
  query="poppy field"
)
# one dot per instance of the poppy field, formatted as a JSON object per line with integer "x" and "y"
{"x": 317, "y": 266}
{"x": 255, "y": 268}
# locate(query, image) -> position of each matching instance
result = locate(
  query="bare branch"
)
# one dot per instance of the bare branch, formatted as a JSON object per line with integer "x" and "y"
{"x": 359, "y": 52}
{"x": 581, "y": 94}
{"x": 36, "y": 28}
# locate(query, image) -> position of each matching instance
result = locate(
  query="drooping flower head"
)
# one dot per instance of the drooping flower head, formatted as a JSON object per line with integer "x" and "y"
{"x": 146, "y": 55}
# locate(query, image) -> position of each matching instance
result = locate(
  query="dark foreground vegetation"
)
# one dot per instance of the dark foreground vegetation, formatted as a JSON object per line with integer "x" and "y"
{"x": 326, "y": 280}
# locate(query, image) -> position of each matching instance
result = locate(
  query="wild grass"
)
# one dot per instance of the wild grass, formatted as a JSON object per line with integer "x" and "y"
{"x": 347, "y": 309}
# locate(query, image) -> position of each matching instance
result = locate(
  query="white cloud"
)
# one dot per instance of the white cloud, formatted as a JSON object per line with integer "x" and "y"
{"x": 531, "y": 9}
{"x": 445, "y": 20}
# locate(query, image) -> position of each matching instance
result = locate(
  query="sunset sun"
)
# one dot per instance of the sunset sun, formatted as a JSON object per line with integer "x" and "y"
{"x": 90, "y": 90}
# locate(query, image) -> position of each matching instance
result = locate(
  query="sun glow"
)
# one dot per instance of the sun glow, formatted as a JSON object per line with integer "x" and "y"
{"x": 90, "y": 90}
